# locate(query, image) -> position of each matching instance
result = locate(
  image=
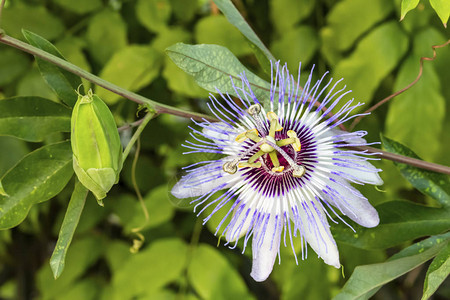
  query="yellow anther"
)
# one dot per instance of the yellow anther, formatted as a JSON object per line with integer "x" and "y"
{"x": 230, "y": 167}
{"x": 296, "y": 144}
{"x": 250, "y": 165}
{"x": 278, "y": 169}
{"x": 253, "y": 134}
{"x": 299, "y": 171}
{"x": 241, "y": 137}
{"x": 254, "y": 109}
{"x": 274, "y": 124}
{"x": 272, "y": 116}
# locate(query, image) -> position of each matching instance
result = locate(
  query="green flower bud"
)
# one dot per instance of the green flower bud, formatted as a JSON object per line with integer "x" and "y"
{"x": 97, "y": 151}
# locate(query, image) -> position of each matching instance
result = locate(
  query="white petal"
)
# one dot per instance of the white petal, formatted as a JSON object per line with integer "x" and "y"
{"x": 265, "y": 247}
{"x": 220, "y": 131}
{"x": 240, "y": 222}
{"x": 351, "y": 202}
{"x": 363, "y": 171}
{"x": 203, "y": 180}
{"x": 316, "y": 230}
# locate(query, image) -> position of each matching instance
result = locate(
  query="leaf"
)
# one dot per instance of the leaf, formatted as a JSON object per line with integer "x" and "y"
{"x": 437, "y": 272}
{"x": 131, "y": 68}
{"x": 367, "y": 280}
{"x": 32, "y": 118}
{"x": 213, "y": 277}
{"x": 385, "y": 47}
{"x": 150, "y": 269}
{"x": 285, "y": 14}
{"x": 39, "y": 176}
{"x": 12, "y": 65}
{"x": 153, "y": 14}
{"x": 106, "y": 34}
{"x": 347, "y": 21}
{"x": 442, "y": 8}
{"x": 433, "y": 184}
{"x": 16, "y": 18}
{"x": 81, "y": 6}
{"x": 400, "y": 221}
{"x": 407, "y": 5}
{"x": 215, "y": 29}
{"x": 64, "y": 83}
{"x": 68, "y": 227}
{"x": 235, "y": 18}
{"x": 421, "y": 122}
{"x": 212, "y": 67}
{"x": 296, "y": 45}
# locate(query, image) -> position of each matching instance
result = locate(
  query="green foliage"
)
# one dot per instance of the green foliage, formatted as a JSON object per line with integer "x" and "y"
{"x": 32, "y": 118}
{"x": 176, "y": 52}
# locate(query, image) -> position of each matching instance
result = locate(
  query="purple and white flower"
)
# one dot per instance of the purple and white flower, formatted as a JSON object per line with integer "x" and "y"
{"x": 284, "y": 168}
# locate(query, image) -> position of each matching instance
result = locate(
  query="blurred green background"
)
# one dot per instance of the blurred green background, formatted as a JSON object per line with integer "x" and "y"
{"x": 124, "y": 42}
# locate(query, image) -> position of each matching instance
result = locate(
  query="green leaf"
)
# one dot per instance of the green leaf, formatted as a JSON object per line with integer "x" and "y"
{"x": 433, "y": 184}
{"x": 212, "y": 66}
{"x": 39, "y": 176}
{"x": 442, "y": 8}
{"x": 11, "y": 151}
{"x": 69, "y": 225}
{"x": 296, "y": 45}
{"x": 235, "y": 18}
{"x": 215, "y": 29}
{"x": 400, "y": 221}
{"x": 285, "y": 14}
{"x": 421, "y": 122}
{"x": 12, "y": 65}
{"x": 367, "y": 280}
{"x": 81, "y": 6}
{"x": 385, "y": 46}
{"x": 131, "y": 68}
{"x": 83, "y": 254}
{"x": 153, "y": 14}
{"x": 347, "y": 21}
{"x": 32, "y": 118}
{"x": 150, "y": 269}
{"x": 64, "y": 83}
{"x": 407, "y": 5}
{"x": 106, "y": 34}
{"x": 184, "y": 10}
{"x": 213, "y": 277}
{"x": 437, "y": 272}
{"x": 32, "y": 83}
{"x": 37, "y": 18}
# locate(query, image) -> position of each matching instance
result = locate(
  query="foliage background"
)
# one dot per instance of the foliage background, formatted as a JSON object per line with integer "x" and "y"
{"x": 124, "y": 42}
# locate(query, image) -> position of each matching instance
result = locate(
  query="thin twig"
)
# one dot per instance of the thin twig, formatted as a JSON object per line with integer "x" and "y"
{"x": 422, "y": 59}
{"x": 137, "y": 134}
{"x": 130, "y": 125}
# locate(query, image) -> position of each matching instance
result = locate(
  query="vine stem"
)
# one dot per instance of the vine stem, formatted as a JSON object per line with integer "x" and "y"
{"x": 156, "y": 106}
{"x": 142, "y": 123}
{"x": 159, "y": 108}
{"x": 422, "y": 59}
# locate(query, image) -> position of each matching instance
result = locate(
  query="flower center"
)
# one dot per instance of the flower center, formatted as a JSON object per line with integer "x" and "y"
{"x": 276, "y": 155}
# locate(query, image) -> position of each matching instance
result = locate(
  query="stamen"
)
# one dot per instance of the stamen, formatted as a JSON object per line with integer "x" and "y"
{"x": 231, "y": 166}
{"x": 274, "y": 158}
{"x": 256, "y": 156}
{"x": 293, "y": 135}
{"x": 274, "y": 124}
{"x": 250, "y": 165}
{"x": 298, "y": 171}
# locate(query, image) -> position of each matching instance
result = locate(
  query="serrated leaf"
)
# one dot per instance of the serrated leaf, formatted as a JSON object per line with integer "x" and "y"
{"x": 64, "y": 83}
{"x": 407, "y": 5}
{"x": 150, "y": 269}
{"x": 433, "y": 184}
{"x": 70, "y": 223}
{"x": 374, "y": 58}
{"x": 212, "y": 67}
{"x": 39, "y": 176}
{"x": 32, "y": 118}
{"x": 367, "y": 280}
{"x": 442, "y": 8}
{"x": 400, "y": 221}
{"x": 235, "y": 18}
{"x": 437, "y": 272}
{"x": 212, "y": 276}
{"x": 131, "y": 68}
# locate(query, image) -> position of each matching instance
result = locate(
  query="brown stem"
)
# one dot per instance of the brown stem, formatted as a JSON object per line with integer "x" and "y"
{"x": 422, "y": 59}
